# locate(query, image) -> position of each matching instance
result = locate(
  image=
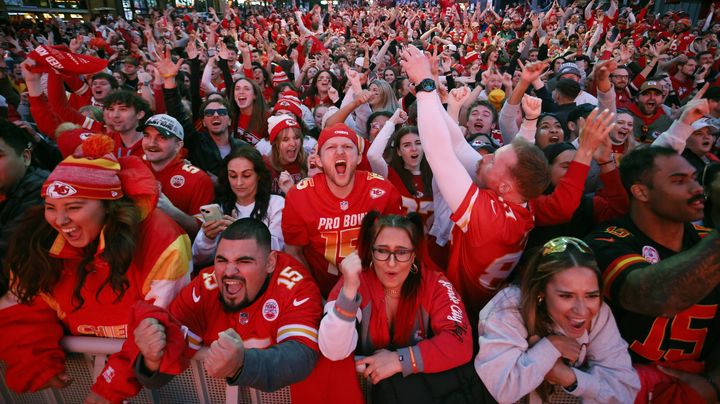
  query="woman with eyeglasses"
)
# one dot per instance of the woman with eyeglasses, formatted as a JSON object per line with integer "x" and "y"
{"x": 403, "y": 317}
{"x": 243, "y": 191}
{"x": 552, "y": 335}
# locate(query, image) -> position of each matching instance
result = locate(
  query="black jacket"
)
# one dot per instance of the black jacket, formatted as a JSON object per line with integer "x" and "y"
{"x": 202, "y": 150}
{"x": 25, "y": 194}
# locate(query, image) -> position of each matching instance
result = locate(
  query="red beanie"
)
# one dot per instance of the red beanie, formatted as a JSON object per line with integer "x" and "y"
{"x": 51, "y": 57}
{"x": 91, "y": 172}
{"x": 279, "y": 76}
{"x": 337, "y": 130}
{"x": 277, "y": 123}
{"x": 285, "y": 104}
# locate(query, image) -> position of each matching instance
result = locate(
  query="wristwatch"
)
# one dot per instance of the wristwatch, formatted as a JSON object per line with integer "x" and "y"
{"x": 425, "y": 85}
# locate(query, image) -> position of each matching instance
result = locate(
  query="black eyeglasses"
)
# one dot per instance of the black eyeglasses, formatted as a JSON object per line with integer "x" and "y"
{"x": 219, "y": 111}
{"x": 383, "y": 254}
{"x": 560, "y": 244}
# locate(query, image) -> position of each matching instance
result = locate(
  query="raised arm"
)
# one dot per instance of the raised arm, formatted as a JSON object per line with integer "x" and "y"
{"x": 453, "y": 181}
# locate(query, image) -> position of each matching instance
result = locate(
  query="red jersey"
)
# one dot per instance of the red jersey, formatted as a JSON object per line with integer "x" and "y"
{"x": 187, "y": 186}
{"x": 682, "y": 88}
{"x": 488, "y": 240}
{"x": 420, "y": 203}
{"x": 327, "y": 226}
{"x": 288, "y": 310}
{"x": 161, "y": 265}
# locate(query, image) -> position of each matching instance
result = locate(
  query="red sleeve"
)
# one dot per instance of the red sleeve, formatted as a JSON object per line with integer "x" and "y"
{"x": 159, "y": 100}
{"x": 559, "y": 206}
{"x": 80, "y": 100}
{"x": 203, "y": 193}
{"x": 641, "y": 14}
{"x": 248, "y": 72}
{"x": 452, "y": 343}
{"x": 45, "y": 118}
{"x": 62, "y": 109}
{"x": 30, "y": 346}
{"x": 611, "y": 201}
{"x": 117, "y": 380}
{"x": 190, "y": 313}
{"x": 301, "y": 318}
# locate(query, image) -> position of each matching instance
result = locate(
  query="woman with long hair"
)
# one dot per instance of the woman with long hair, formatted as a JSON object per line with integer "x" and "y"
{"x": 383, "y": 96}
{"x": 287, "y": 161}
{"x": 406, "y": 166}
{"x": 410, "y": 319}
{"x": 249, "y": 111}
{"x": 243, "y": 191}
{"x": 318, "y": 92}
{"x": 552, "y": 335}
{"x": 79, "y": 263}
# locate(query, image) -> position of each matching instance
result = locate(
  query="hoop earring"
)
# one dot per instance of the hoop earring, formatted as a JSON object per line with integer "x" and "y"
{"x": 540, "y": 301}
{"x": 414, "y": 268}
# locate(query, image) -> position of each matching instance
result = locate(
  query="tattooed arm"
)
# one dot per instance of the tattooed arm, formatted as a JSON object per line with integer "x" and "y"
{"x": 676, "y": 283}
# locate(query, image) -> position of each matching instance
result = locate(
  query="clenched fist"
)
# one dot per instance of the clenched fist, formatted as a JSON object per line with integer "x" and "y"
{"x": 226, "y": 355}
{"x": 151, "y": 340}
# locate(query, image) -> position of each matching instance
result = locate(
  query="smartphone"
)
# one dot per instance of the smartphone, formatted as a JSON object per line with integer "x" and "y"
{"x": 211, "y": 212}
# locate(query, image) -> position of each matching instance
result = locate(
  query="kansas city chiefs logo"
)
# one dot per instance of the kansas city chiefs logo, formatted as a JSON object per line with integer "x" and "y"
{"x": 177, "y": 181}
{"x": 59, "y": 189}
{"x": 376, "y": 193}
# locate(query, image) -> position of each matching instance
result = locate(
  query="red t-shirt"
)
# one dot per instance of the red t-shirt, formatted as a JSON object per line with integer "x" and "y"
{"x": 187, "y": 186}
{"x": 488, "y": 240}
{"x": 327, "y": 226}
{"x": 288, "y": 310}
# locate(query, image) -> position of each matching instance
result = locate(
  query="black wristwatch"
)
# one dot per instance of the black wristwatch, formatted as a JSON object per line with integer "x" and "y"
{"x": 425, "y": 85}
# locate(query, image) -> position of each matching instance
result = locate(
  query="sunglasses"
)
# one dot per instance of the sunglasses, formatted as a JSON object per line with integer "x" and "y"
{"x": 560, "y": 244}
{"x": 219, "y": 111}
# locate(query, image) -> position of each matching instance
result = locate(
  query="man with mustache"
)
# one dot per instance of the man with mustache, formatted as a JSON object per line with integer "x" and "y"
{"x": 662, "y": 273}
{"x": 258, "y": 311}
{"x": 184, "y": 187}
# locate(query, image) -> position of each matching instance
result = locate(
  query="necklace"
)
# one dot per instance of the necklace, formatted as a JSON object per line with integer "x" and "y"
{"x": 393, "y": 292}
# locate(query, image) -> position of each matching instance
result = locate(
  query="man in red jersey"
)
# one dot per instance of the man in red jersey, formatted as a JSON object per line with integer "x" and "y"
{"x": 185, "y": 188}
{"x": 492, "y": 220}
{"x": 322, "y": 214}
{"x": 258, "y": 310}
{"x": 124, "y": 112}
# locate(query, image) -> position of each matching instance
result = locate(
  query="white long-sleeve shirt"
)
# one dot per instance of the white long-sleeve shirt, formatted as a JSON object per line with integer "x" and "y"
{"x": 511, "y": 369}
{"x": 203, "y": 248}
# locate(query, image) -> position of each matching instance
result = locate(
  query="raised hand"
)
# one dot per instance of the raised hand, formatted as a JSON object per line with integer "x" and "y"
{"x": 532, "y": 71}
{"x": 76, "y": 44}
{"x": 191, "y": 48}
{"x": 694, "y": 110}
{"x": 595, "y": 129}
{"x": 416, "y": 65}
{"x": 151, "y": 341}
{"x": 531, "y": 106}
{"x": 165, "y": 65}
{"x": 458, "y": 96}
{"x": 399, "y": 117}
{"x": 226, "y": 355}
{"x": 350, "y": 268}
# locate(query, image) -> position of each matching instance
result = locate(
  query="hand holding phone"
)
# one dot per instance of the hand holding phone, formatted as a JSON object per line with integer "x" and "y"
{"x": 211, "y": 212}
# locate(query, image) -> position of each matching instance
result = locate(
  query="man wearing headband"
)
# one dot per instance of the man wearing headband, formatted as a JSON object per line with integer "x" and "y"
{"x": 323, "y": 213}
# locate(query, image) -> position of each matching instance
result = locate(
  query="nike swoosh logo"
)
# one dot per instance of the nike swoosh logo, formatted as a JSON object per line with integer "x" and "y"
{"x": 195, "y": 297}
{"x": 297, "y": 302}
